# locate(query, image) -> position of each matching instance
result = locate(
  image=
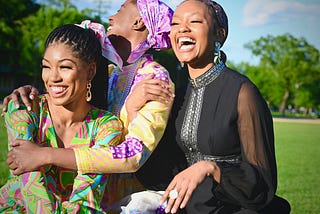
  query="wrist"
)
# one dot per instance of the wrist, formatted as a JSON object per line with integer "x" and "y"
{"x": 47, "y": 156}
{"x": 131, "y": 114}
{"x": 214, "y": 171}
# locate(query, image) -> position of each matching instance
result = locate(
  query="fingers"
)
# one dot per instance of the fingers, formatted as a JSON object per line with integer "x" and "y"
{"x": 186, "y": 197}
{"x": 6, "y": 101}
{"x": 175, "y": 199}
{"x": 166, "y": 193}
{"x": 10, "y": 159}
{"x": 34, "y": 92}
{"x": 18, "y": 170}
{"x": 149, "y": 77}
{"x": 26, "y": 93}
{"x": 156, "y": 92}
{"x": 179, "y": 192}
{"x": 11, "y": 162}
{"x": 152, "y": 94}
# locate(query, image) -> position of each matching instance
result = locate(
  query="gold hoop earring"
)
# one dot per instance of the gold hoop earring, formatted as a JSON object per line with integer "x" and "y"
{"x": 88, "y": 94}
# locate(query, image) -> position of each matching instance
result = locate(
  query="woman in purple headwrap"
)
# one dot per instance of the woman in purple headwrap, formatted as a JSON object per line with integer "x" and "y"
{"x": 138, "y": 26}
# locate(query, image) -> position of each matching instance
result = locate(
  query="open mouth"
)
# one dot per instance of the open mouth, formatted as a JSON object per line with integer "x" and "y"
{"x": 56, "y": 91}
{"x": 186, "y": 43}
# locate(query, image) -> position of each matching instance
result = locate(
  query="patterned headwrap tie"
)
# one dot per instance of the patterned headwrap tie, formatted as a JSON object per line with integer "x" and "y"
{"x": 108, "y": 51}
{"x": 156, "y": 16}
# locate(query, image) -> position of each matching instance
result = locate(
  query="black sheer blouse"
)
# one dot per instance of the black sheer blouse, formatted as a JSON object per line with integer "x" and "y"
{"x": 224, "y": 118}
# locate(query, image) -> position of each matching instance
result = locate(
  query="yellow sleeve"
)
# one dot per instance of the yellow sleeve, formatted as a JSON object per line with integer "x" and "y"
{"x": 142, "y": 136}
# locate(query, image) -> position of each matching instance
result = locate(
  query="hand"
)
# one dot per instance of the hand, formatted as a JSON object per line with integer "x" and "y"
{"x": 24, "y": 156}
{"x": 148, "y": 89}
{"x": 27, "y": 93}
{"x": 186, "y": 182}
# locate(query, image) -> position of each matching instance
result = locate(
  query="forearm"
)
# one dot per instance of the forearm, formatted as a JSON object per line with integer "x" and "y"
{"x": 60, "y": 157}
{"x": 138, "y": 145}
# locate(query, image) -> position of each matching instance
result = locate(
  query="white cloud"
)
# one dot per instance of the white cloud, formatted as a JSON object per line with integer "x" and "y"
{"x": 262, "y": 12}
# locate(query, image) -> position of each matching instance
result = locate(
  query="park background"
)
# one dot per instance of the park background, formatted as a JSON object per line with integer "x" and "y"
{"x": 275, "y": 43}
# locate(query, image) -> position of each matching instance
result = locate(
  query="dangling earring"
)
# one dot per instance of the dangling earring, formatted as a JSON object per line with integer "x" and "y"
{"x": 88, "y": 94}
{"x": 217, "y": 53}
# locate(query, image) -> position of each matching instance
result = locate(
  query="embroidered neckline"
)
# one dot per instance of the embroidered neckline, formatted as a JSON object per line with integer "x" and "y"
{"x": 208, "y": 76}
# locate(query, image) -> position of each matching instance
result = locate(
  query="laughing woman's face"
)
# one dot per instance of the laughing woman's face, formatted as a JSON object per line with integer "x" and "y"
{"x": 192, "y": 33}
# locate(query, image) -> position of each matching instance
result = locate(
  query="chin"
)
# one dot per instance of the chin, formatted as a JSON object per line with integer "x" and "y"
{"x": 185, "y": 59}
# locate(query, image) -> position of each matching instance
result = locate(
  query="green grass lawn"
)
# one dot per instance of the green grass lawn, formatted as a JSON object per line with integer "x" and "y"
{"x": 3, "y": 152}
{"x": 298, "y": 160}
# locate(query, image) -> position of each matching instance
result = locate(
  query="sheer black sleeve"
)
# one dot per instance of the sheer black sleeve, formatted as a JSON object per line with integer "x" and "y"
{"x": 252, "y": 182}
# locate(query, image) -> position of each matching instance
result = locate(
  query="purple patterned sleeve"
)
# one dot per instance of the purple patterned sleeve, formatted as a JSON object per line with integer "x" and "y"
{"x": 129, "y": 148}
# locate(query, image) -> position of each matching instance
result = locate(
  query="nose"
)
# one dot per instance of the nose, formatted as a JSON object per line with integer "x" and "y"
{"x": 111, "y": 17}
{"x": 183, "y": 28}
{"x": 55, "y": 76}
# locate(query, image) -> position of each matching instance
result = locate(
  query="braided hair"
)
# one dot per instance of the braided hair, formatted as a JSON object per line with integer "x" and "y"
{"x": 83, "y": 41}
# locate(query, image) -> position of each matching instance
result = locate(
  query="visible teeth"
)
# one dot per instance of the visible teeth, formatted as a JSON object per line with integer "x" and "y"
{"x": 109, "y": 28}
{"x": 57, "y": 89}
{"x": 186, "y": 39}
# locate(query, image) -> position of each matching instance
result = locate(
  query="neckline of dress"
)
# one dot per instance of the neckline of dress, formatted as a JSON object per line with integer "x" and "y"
{"x": 207, "y": 77}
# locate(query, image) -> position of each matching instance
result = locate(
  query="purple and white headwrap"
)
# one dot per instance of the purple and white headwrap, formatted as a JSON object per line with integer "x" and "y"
{"x": 156, "y": 16}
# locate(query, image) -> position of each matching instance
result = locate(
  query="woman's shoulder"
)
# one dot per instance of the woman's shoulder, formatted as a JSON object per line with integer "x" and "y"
{"x": 234, "y": 77}
{"x": 235, "y": 74}
{"x": 104, "y": 120}
{"x": 37, "y": 103}
{"x": 102, "y": 116}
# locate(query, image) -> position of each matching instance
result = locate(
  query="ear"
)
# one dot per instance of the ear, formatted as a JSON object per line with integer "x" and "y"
{"x": 138, "y": 24}
{"x": 92, "y": 71}
{"x": 222, "y": 34}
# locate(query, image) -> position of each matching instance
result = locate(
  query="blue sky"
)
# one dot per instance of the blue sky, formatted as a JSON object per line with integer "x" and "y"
{"x": 252, "y": 19}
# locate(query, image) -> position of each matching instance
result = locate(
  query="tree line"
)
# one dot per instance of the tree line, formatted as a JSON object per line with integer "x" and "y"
{"x": 288, "y": 72}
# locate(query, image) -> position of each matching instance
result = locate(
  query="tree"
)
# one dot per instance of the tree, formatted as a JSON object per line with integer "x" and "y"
{"x": 289, "y": 66}
{"x": 10, "y": 14}
{"x": 35, "y": 28}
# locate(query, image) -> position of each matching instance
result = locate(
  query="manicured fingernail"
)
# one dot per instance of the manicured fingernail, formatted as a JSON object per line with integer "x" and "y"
{"x": 29, "y": 108}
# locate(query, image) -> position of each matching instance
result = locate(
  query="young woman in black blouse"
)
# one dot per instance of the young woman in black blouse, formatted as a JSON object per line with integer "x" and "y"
{"x": 221, "y": 122}
{"x": 223, "y": 125}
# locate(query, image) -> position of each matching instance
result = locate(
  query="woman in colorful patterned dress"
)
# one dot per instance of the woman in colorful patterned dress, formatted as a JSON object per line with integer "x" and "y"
{"x": 138, "y": 26}
{"x": 63, "y": 119}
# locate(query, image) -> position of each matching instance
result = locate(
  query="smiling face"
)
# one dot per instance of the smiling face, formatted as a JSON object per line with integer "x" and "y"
{"x": 192, "y": 34}
{"x": 64, "y": 74}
